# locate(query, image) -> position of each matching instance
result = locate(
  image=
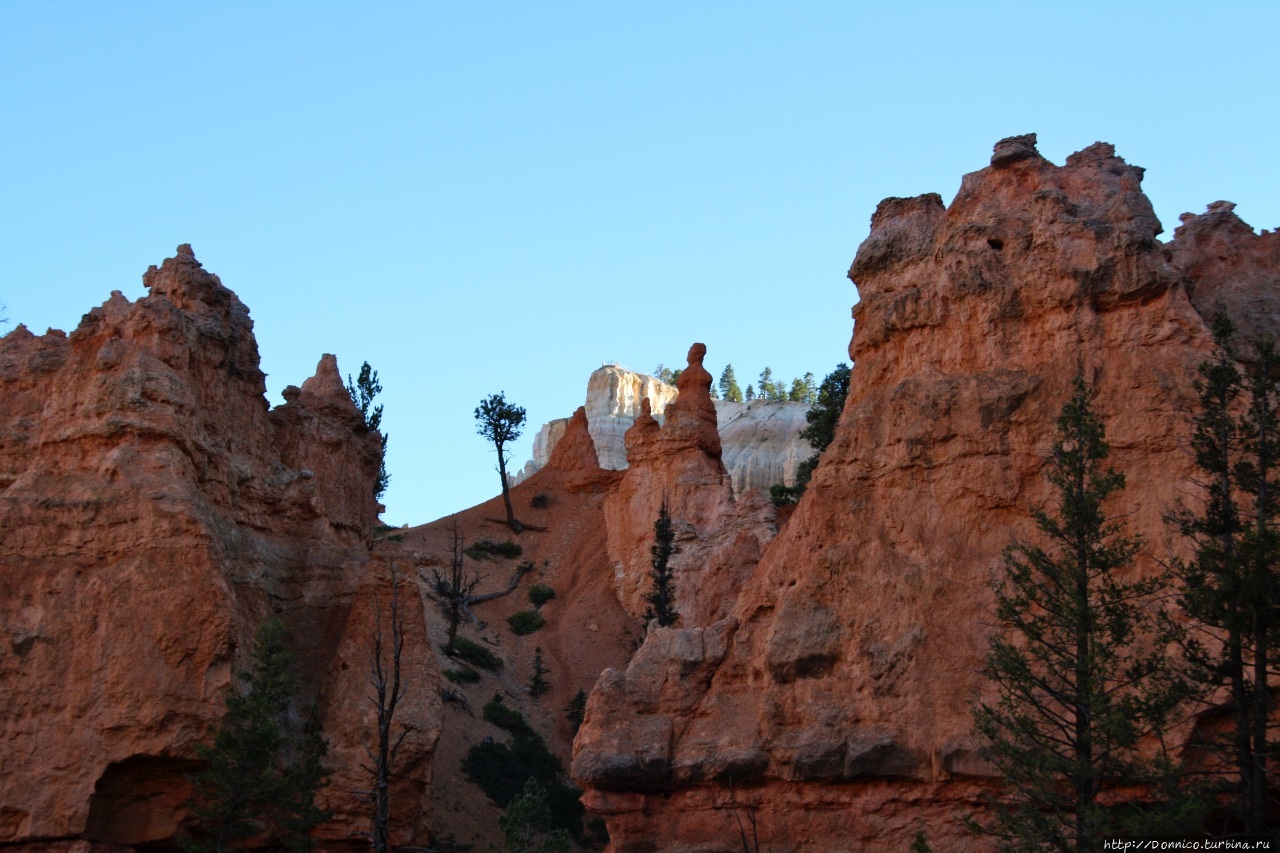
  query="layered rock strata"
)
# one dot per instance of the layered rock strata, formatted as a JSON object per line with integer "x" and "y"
{"x": 829, "y": 702}
{"x": 154, "y": 512}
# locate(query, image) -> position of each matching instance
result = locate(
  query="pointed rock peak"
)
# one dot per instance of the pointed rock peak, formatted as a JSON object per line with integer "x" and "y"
{"x": 575, "y": 451}
{"x": 695, "y": 379}
{"x": 1102, "y": 156}
{"x": 326, "y": 388}
{"x": 186, "y": 283}
{"x": 691, "y": 418}
{"x": 1013, "y": 149}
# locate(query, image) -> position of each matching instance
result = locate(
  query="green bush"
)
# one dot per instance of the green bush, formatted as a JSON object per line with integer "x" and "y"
{"x": 475, "y": 654}
{"x": 526, "y": 622}
{"x": 540, "y": 594}
{"x": 464, "y": 675}
{"x": 502, "y": 769}
{"x": 486, "y": 549}
{"x": 539, "y": 501}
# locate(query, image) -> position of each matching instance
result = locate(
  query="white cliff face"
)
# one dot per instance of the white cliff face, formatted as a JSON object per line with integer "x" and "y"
{"x": 760, "y": 439}
{"x": 613, "y": 402}
{"x": 761, "y": 443}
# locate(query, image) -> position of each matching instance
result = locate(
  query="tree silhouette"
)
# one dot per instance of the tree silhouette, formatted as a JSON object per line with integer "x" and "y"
{"x": 500, "y": 422}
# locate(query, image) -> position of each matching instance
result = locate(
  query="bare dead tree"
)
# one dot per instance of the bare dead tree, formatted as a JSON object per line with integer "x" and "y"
{"x": 454, "y": 588}
{"x": 388, "y": 690}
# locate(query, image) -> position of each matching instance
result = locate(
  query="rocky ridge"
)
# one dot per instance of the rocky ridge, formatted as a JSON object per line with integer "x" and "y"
{"x": 154, "y": 512}
{"x": 827, "y": 698}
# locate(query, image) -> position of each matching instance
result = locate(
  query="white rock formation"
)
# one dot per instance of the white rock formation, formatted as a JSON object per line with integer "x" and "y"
{"x": 760, "y": 442}
{"x": 760, "y": 439}
{"x": 613, "y": 403}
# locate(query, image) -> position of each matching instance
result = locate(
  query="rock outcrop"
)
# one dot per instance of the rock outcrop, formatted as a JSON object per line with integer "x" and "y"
{"x": 154, "y": 513}
{"x": 760, "y": 439}
{"x": 829, "y": 701}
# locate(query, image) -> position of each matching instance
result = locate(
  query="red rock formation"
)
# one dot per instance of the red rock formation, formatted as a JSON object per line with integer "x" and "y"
{"x": 153, "y": 514}
{"x": 1226, "y": 262}
{"x": 831, "y": 704}
{"x": 718, "y": 539}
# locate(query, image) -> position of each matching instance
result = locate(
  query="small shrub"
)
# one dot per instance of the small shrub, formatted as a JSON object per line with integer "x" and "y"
{"x": 539, "y": 501}
{"x": 487, "y": 549}
{"x": 475, "y": 654}
{"x": 508, "y": 719}
{"x": 782, "y": 495}
{"x": 464, "y": 675}
{"x": 540, "y": 594}
{"x": 526, "y": 622}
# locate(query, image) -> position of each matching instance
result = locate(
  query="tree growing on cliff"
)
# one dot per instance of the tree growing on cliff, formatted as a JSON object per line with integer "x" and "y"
{"x": 365, "y": 387}
{"x": 662, "y": 600}
{"x": 1078, "y": 674}
{"x": 388, "y": 690}
{"x": 1231, "y": 585}
{"x": 454, "y": 587}
{"x": 729, "y": 389}
{"x": 500, "y": 422}
{"x": 260, "y": 775}
{"x": 821, "y": 431}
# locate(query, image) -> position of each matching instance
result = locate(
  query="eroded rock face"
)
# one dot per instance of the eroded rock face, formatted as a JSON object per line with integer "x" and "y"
{"x": 154, "y": 513}
{"x": 718, "y": 539}
{"x": 838, "y": 707}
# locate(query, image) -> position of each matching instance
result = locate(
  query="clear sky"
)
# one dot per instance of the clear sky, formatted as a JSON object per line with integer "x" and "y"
{"x": 480, "y": 197}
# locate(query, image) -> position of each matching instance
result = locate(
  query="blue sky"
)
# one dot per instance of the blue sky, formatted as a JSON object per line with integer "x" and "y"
{"x": 478, "y": 197}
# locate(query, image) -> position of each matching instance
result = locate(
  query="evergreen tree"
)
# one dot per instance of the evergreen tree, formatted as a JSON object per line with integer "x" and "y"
{"x": 501, "y": 422}
{"x": 798, "y": 391}
{"x": 729, "y": 389}
{"x": 663, "y": 598}
{"x": 821, "y": 431}
{"x": 576, "y": 711}
{"x": 767, "y": 388}
{"x": 527, "y": 824}
{"x": 362, "y": 391}
{"x": 260, "y": 777}
{"x": 538, "y": 684}
{"x": 1078, "y": 678}
{"x": 751, "y": 393}
{"x": 1231, "y": 586}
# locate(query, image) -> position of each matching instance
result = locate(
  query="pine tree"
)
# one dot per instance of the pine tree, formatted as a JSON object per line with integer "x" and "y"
{"x": 729, "y": 389}
{"x": 821, "y": 431}
{"x": 1231, "y": 586}
{"x": 260, "y": 776}
{"x": 662, "y": 599}
{"x": 538, "y": 684}
{"x": 751, "y": 393}
{"x": 766, "y": 389}
{"x": 576, "y": 711}
{"x": 362, "y": 391}
{"x": 1078, "y": 677}
{"x": 527, "y": 824}
{"x": 501, "y": 422}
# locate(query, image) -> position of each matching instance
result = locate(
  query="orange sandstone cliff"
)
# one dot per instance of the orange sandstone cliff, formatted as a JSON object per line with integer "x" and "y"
{"x": 153, "y": 512}
{"x": 827, "y": 708}
{"x": 814, "y": 693}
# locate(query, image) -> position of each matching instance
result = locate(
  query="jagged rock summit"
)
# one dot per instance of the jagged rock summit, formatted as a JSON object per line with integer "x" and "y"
{"x": 829, "y": 699}
{"x": 154, "y": 512}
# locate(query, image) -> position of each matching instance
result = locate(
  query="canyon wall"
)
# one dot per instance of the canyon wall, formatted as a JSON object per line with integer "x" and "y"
{"x": 825, "y": 700}
{"x": 760, "y": 439}
{"x": 154, "y": 513}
